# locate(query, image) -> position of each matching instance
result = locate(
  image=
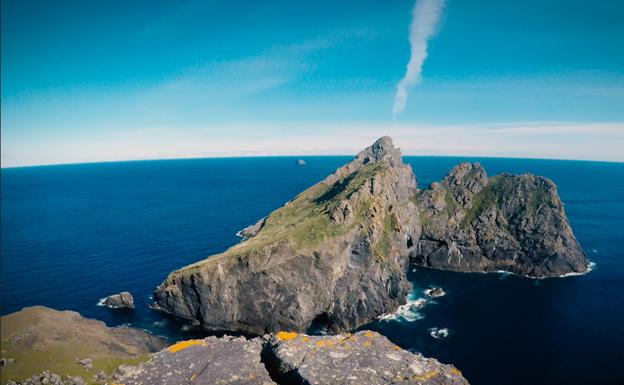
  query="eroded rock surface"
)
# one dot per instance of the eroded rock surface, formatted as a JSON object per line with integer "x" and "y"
{"x": 365, "y": 357}
{"x": 293, "y": 359}
{"x": 335, "y": 256}
{"x": 211, "y": 361}
{"x": 512, "y": 223}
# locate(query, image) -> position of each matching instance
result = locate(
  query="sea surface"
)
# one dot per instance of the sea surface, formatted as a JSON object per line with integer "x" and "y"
{"x": 72, "y": 234}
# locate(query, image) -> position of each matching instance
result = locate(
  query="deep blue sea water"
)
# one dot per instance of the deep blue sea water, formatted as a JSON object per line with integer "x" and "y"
{"x": 73, "y": 234}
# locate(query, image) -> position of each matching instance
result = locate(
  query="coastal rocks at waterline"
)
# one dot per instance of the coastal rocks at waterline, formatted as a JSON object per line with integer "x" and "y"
{"x": 434, "y": 292}
{"x": 123, "y": 300}
{"x": 290, "y": 358}
{"x": 334, "y": 257}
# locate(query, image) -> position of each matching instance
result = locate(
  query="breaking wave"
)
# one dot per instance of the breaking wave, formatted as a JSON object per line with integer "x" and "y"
{"x": 408, "y": 312}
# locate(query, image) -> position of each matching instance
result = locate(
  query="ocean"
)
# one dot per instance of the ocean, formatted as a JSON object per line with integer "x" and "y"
{"x": 72, "y": 234}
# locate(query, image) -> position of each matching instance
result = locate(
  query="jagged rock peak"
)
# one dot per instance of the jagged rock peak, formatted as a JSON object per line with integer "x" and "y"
{"x": 383, "y": 150}
{"x": 469, "y": 175}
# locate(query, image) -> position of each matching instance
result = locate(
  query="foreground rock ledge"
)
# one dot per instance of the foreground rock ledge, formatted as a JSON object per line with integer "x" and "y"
{"x": 289, "y": 358}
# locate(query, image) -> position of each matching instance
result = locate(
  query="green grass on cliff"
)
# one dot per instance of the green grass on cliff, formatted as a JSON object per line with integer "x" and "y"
{"x": 39, "y": 339}
{"x": 305, "y": 222}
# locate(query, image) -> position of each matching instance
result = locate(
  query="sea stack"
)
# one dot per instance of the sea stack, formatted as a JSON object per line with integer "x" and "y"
{"x": 335, "y": 257}
{"x": 123, "y": 300}
{"x": 513, "y": 223}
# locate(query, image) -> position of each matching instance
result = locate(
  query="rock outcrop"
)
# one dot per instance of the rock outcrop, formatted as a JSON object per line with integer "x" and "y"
{"x": 214, "y": 361}
{"x": 290, "y": 358}
{"x": 45, "y": 341}
{"x": 365, "y": 357}
{"x": 513, "y": 223}
{"x": 123, "y": 300}
{"x": 334, "y": 257}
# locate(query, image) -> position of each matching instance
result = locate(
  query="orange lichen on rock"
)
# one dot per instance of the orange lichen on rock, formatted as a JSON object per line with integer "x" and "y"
{"x": 425, "y": 377}
{"x": 305, "y": 339}
{"x": 369, "y": 334}
{"x": 185, "y": 344}
{"x": 286, "y": 336}
{"x": 456, "y": 371}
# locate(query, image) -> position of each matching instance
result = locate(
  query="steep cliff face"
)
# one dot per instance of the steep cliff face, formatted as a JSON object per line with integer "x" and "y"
{"x": 335, "y": 256}
{"x": 513, "y": 223}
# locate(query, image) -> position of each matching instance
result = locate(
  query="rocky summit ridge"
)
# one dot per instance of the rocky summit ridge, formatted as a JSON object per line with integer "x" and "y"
{"x": 335, "y": 256}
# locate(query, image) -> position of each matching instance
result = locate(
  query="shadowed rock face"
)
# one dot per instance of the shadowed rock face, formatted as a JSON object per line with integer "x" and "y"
{"x": 335, "y": 256}
{"x": 290, "y": 358}
{"x": 512, "y": 223}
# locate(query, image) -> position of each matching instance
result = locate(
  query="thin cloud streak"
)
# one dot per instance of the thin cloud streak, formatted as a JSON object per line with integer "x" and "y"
{"x": 425, "y": 16}
{"x": 581, "y": 141}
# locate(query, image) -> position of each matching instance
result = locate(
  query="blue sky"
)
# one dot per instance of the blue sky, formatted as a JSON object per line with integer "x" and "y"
{"x": 100, "y": 80}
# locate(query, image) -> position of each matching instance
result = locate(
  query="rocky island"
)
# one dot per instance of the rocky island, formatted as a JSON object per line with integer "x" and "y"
{"x": 336, "y": 255}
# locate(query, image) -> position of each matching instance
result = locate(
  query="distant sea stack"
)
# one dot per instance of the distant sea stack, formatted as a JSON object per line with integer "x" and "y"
{"x": 513, "y": 223}
{"x": 336, "y": 255}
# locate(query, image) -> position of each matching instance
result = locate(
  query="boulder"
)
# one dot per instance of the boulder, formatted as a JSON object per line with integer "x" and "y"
{"x": 123, "y": 300}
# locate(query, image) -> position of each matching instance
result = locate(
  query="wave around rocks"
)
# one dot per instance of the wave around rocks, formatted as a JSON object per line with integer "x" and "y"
{"x": 408, "y": 312}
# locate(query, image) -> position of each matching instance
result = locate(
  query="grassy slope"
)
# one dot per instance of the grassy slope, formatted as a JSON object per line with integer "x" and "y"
{"x": 44, "y": 339}
{"x": 304, "y": 222}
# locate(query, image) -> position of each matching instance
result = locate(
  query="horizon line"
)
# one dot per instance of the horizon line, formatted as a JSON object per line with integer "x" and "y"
{"x": 297, "y": 155}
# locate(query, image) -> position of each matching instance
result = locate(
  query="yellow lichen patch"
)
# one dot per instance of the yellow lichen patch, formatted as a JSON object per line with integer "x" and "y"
{"x": 185, "y": 344}
{"x": 369, "y": 334}
{"x": 425, "y": 377}
{"x": 325, "y": 343}
{"x": 396, "y": 347}
{"x": 367, "y": 344}
{"x": 305, "y": 339}
{"x": 193, "y": 376}
{"x": 286, "y": 336}
{"x": 456, "y": 371}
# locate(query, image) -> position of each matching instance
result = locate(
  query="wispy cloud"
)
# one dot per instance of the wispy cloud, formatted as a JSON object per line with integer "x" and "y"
{"x": 425, "y": 16}
{"x": 558, "y": 140}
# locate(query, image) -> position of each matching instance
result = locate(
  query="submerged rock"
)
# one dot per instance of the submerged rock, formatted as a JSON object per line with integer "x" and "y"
{"x": 513, "y": 223}
{"x": 335, "y": 256}
{"x": 301, "y": 162}
{"x": 123, "y": 300}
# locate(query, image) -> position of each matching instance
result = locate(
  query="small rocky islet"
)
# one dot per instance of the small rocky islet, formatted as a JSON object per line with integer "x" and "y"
{"x": 335, "y": 257}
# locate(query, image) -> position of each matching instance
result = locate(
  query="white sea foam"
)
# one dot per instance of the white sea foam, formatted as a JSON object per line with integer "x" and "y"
{"x": 408, "y": 312}
{"x": 439, "y": 333}
{"x": 590, "y": 267}
{"x": 159, "y": 324}
{"x": 101, "y": 302}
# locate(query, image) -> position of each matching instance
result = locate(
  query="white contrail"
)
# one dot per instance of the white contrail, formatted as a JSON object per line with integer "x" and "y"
{"x": 425, "y": 16}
